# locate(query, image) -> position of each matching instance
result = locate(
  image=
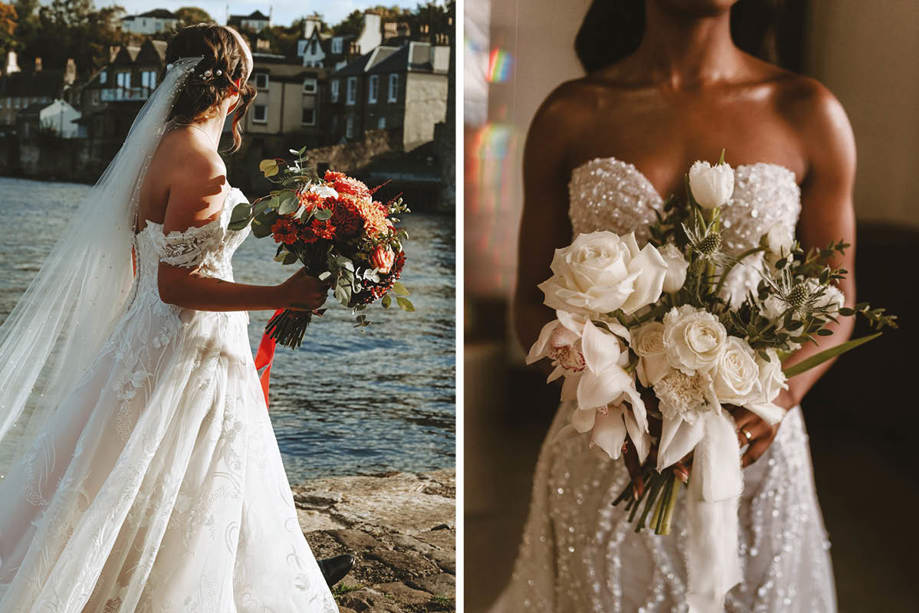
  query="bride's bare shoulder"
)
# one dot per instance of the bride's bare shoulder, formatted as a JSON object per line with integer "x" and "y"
{"x": 185, "y": 155}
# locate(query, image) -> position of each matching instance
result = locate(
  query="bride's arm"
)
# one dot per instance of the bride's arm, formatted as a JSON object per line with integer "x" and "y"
{"x": 827, "y": 215}
{"x": 544, "y": 224}
{"x": 196, "y": 196}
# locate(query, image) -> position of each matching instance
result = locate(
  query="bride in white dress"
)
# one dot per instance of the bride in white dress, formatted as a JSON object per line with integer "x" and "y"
{"x": 601, "y": 153}
{"x": 141, "y": 472}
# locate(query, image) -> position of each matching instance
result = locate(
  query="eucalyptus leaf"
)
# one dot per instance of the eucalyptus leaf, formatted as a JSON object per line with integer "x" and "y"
{"x": 386, "y": 301}
{"x": 405, "y": 304}
{"x": 322, "y": 214}
{"x": 827, "y": 354}
{"x": 399, "y": 289}
{"x": 289, "y": 203}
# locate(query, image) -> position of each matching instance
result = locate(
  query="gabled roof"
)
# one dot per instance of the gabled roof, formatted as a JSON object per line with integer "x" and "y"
{"x": 254, "y": 16}
{"x": 411, "y": 57}
{"x": 157, "y": 13}
{"x": 367, "y": 62}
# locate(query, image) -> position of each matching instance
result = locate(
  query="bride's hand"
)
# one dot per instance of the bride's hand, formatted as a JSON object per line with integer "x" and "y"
{"x": 761, "y": 433}
{"x": 303, "y": 292}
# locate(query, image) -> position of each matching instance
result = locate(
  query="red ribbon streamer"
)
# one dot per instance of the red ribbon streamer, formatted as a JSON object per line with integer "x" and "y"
{"x": 264, "y": 358}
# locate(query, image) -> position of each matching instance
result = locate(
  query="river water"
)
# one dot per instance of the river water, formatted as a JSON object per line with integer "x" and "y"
{"x": 349, "y": 401}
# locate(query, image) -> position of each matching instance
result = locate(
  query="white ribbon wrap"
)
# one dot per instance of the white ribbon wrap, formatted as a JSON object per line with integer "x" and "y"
{"x": 715, "y": 485}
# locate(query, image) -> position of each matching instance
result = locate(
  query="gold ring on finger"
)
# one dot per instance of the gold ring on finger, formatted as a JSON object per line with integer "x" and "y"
{"x": 747, "y": 435}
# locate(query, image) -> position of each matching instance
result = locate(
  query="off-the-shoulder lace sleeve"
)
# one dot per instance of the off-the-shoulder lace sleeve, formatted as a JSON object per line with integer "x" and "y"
{"x": 190, "y": 247}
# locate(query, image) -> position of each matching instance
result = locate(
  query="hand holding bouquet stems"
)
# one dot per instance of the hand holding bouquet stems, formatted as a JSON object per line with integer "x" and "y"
{"x": 345, "y": 240}
{"x": 657, "y": 347}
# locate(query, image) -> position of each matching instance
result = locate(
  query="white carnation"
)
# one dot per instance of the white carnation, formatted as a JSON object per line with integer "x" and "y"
{"x": 684, "y": 396}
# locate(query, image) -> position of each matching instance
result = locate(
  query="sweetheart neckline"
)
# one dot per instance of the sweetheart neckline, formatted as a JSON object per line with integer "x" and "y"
{"x": 789, "y": 173}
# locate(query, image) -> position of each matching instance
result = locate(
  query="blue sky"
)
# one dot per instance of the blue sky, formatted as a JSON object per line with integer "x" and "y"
{"x": 284, "y": 11}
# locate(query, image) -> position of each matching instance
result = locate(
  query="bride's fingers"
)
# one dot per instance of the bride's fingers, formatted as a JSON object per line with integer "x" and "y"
{"x": 756, "y": 427}
{"x": 756, "y": 450}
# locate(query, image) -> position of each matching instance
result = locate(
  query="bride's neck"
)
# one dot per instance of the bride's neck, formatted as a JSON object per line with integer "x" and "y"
{"x": 684, "y": 50}
{"x": 213, "y": 125}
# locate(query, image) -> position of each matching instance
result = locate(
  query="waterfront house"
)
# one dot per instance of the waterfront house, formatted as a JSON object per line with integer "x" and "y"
{"x": 331, "y": 51}
{"x": 20, "y": 89}
{"x": 402, "y": 88}
{"x": 151, "y": 22}
{"x": 254, "y": 22}
{"x": 57, "y": 118}
{"x": 287, "y": 100}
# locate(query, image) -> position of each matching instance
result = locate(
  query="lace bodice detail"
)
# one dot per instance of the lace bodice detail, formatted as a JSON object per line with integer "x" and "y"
{"x": 609, "y": 194}
{"x": 208, "y": 248}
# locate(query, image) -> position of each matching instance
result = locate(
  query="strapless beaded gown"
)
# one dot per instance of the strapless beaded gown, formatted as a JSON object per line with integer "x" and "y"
{"x": 163, "y": 490}
{"x": 579, "y": 554}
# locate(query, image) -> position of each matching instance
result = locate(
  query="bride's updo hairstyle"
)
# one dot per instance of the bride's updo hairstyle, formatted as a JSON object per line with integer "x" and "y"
{"x": 768, "y": 29}
{"x": 223, "y": 72}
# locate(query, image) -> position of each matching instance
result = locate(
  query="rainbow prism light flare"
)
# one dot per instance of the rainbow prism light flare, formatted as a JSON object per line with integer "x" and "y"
{"x": 500, "y": 63}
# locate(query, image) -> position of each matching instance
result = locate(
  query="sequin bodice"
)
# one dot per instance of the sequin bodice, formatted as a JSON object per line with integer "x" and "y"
{"x": 609, "y": 194}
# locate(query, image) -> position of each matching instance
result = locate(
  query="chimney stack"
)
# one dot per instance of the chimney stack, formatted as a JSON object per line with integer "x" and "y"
{"x": 11, "y": 63}
{"x": 38, "y": 64}
{"x": 70, "y": 71}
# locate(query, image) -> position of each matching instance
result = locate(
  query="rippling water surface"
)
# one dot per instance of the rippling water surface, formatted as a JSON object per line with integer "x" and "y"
{"x": 349, "y": 401}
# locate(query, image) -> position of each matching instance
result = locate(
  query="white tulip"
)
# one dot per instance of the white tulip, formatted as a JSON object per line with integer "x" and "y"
{"x": 711, "y": 186}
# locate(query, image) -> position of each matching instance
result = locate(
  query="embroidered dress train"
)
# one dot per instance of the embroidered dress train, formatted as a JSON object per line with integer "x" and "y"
{"x": 163, "y": 489}
{"x": 579, "y": 554}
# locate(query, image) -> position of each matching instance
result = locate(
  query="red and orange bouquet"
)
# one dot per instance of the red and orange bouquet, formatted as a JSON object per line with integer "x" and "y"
{"x": 335, "y": 228}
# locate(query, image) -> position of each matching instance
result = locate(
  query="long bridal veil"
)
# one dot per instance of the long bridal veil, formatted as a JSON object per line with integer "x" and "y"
{"x": 50, "y": 338}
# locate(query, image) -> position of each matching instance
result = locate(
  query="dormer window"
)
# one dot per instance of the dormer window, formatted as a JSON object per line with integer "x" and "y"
{"x": 336, "y": 44}
{"x": 309, "y": 85}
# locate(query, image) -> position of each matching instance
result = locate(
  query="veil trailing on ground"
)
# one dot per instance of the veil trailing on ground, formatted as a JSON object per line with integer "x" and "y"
{"x": 71, "y": 307}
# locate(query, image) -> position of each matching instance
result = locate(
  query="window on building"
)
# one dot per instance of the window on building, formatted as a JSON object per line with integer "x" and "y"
{"x": 314, "y": 46}
{"x": 148, "y": 79}
{"x": 309, "y": 117}
{"x": 393, "y": 88}
{"x": 381, "y": 123}
{"x": 123, "y": 80}
{"x": 309, "y": 85}
{"x": 352, "y": 90}
{"x": 333, "y": 92}
{"x": 336, "y": 45}
{"x": 373, "y": 88}
{"x": 260, "y": 113}
{"x": 261, "y": 80}
{"x": 349, "y": 126}
{"x": 103, "y": 77}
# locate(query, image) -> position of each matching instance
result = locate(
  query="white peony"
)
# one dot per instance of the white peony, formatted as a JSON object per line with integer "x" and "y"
{"x": 601, "y": 272}
{"x": 779, "y": 239}
{"x": 693, "y": 339}
{"x": 676, "y": 268}
{"x": 648, "y": 345}
{"x": 322, "y": 190}
{"x": 736, "y": 376}
{"x": 711, "y": 186}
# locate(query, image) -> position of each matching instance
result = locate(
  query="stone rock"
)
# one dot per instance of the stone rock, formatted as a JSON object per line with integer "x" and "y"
{"x": 403, "y": 594}
{"x": 443, "y": 585}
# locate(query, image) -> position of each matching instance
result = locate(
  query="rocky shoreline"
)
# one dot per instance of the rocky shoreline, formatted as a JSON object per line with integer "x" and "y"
{"x": 401, "y": 529}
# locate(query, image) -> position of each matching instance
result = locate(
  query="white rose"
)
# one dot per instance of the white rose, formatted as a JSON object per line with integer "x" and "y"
{"x": 648, "y": 345}
{"x": 779, "y": 239}
{"x": 711, "y": 186}
{"x": 693, "y": 339}
{"x": 771, "y": 378}
{"x": 676, "y": 268}
{"x": 601, "y": 272}
{"x": 736, "y": 375}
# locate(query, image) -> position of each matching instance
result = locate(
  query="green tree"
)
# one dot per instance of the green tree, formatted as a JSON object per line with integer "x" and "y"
{"x": 8, "y": 22}
{"x": 192, "y": 15}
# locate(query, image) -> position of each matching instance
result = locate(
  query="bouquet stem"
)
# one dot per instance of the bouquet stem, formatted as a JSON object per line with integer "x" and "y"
{"x": 288, "y": 327}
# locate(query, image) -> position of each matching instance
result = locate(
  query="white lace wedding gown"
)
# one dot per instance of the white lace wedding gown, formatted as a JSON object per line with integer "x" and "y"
{"x": 579, "y": 554}
{"x": 163, "y": 489}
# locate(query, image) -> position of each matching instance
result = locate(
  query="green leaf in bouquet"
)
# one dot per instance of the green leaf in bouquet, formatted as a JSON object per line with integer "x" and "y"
{"x": 343, "y": 294}
{"x": 290, "y": 258}
{"x": 399, "y": 289}
{"x": 261, "y": 225}
{"x": 288, "y": 203}
{"x": 824, "y": 332}
{"x": 322, "y": 214}
{"x": 269, "y": 167}
{"x": 405, "y": 304}
{"x": 282, "y": 254}
{"x": 828, "y": 354}
{"x": 386, "y": 301}
{"x": 241, "y": 216}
